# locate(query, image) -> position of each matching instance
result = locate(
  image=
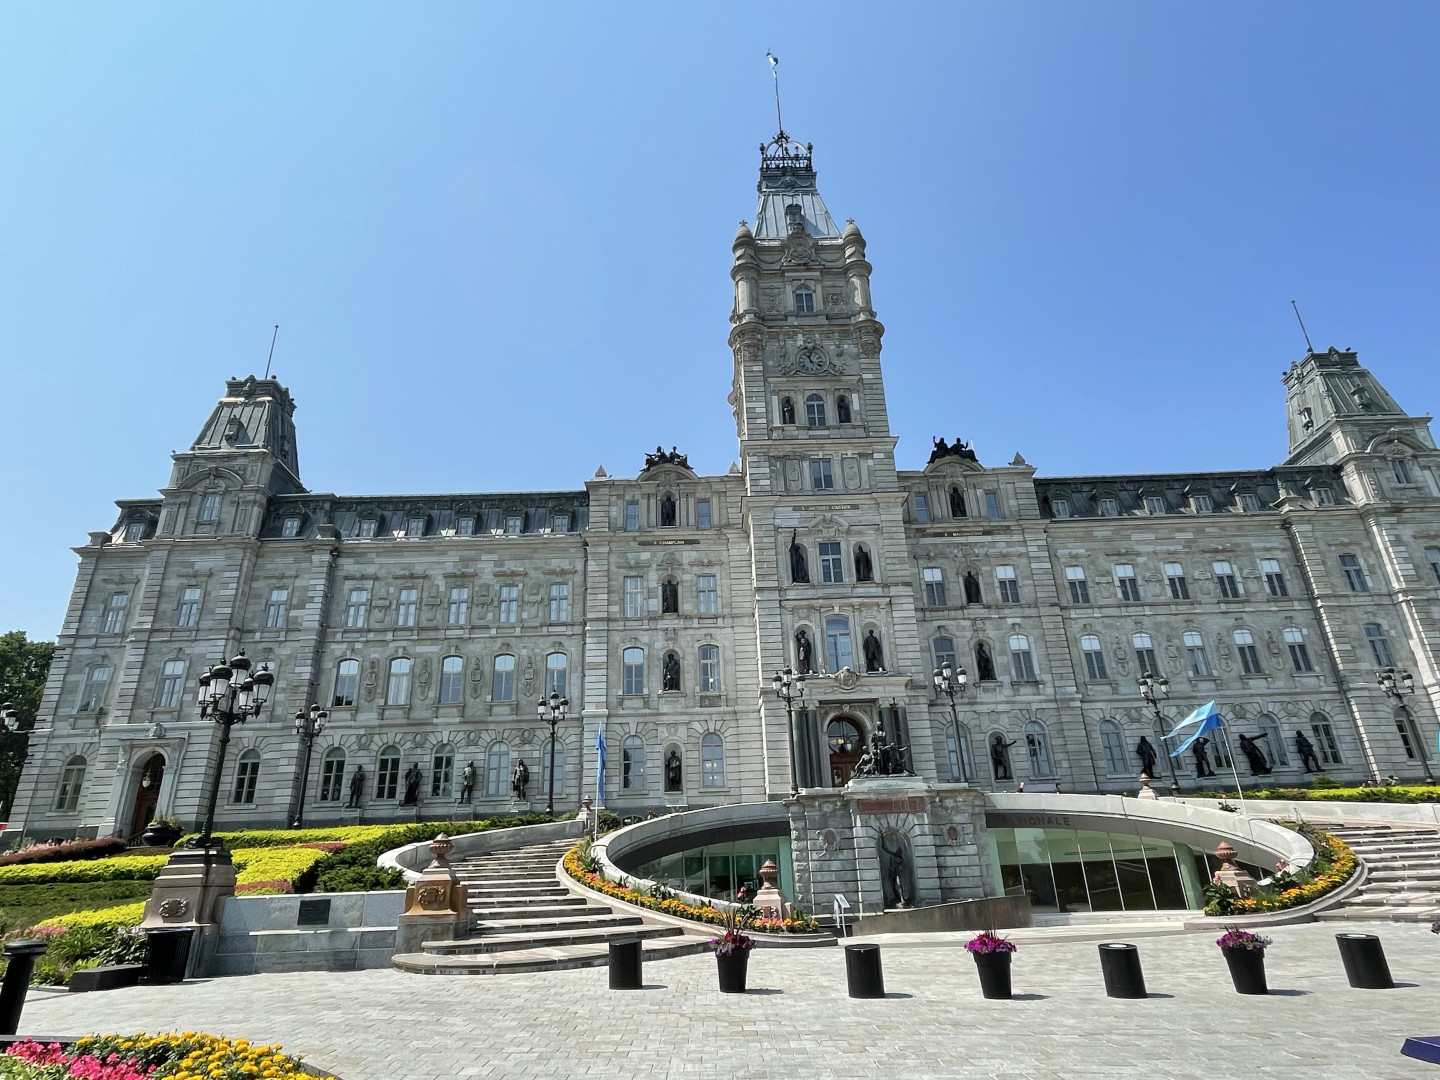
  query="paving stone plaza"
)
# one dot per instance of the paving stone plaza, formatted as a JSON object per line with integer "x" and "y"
{"x": 797, "y": 1021}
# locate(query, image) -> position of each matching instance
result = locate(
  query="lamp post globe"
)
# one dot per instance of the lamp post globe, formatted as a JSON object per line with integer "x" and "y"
{"x": 228, "y": 695}
{"x": 309, "y": 723}
{"x": 553, "y": 710}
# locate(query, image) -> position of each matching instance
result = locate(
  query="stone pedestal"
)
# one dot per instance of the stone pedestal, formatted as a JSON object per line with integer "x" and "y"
{"x": 1234, "y": 877}
{"x": 1146, "y": 791}
{"x": 853, "y": 841}
{"x": 191, "y": 890}
{"x": 769, "y": 900}
{"x": 436, "y": 905}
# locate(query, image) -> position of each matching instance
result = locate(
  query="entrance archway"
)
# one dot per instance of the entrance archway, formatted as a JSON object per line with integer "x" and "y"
{"x": 846, "y": 741}
{"x": 147, "y": 793}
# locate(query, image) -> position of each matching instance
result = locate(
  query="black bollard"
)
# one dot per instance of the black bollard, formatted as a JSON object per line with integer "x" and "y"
{"x": 22, "y": 956}
{"x": 625, "y": 957}
{"x": 1364, "y": 960}
{"x": 1120, "y": 964}
{"x": 169, "y": 953}
{"x": 862, "y": 971}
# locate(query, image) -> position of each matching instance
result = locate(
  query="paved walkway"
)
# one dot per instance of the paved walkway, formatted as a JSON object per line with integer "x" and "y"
{"x": 797, "y": 1022}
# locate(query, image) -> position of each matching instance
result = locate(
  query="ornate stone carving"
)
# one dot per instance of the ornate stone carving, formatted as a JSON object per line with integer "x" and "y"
{"x": 176, "y": 907}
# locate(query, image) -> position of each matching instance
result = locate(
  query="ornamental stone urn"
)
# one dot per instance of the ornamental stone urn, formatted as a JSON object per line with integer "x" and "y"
{"x": 1237, "y": 879}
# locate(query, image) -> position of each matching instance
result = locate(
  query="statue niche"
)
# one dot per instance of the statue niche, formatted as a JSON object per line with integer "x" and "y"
{"x": 874, "y": 656}
{"x": 804, "y": 653}
{"x": 787, "y": 411}
{"x": 672, "y": 770}
{"x": 670, "y": 673}
{"x": 667, "y": 511}
{"x": 972, "y": 587}
{"x": 799, "y": 567}
{"x": 897, "y": 869}
{"x": 669, "y": 597}
{"x": 957, "y": 503}
{"x": 864, "y": 569}
{"x": 984, "y": 663}
{"x": 842, "y": 410}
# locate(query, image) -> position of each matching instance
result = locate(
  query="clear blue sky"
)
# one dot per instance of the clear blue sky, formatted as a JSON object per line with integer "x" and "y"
{"x": 497, "y": 241}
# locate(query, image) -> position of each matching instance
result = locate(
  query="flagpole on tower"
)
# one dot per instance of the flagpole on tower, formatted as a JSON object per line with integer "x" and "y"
{"x": 775, "y": 74}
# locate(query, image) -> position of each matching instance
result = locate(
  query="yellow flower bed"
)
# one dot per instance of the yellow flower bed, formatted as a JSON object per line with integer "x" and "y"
{"x": 1330, "y": 876}
{"x": 117, "y": 915}
{"x": 189, "y": 1055}
{"x": 272, "y": 869}
{"x": 118, "y": 868}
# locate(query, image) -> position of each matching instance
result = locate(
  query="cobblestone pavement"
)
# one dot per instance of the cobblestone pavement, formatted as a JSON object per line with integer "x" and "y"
{"x": 798, "y": 1022}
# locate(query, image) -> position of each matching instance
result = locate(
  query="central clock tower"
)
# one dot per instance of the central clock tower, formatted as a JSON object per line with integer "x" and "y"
{"x": 823, "y": 507}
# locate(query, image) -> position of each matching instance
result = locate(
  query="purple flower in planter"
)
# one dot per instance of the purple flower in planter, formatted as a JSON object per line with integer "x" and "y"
{"x": 986, "y": 942}
{"x": 1235, "y": 938}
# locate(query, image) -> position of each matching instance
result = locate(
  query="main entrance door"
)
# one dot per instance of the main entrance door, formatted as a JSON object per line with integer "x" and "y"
{"x": 846, "y": 741}
{"x": 147, "y": 794}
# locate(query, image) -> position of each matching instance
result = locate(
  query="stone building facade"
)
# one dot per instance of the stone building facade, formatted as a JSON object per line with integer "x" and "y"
{"x": 662, "y": 604}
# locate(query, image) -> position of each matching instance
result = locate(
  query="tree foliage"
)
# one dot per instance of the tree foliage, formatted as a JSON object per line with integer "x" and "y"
{"x": 24, "y": 664}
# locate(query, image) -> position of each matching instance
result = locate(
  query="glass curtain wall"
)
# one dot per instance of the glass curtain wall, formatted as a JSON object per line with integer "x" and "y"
{"x": 1063, "y": 870}
{"x": 719, "y": 870}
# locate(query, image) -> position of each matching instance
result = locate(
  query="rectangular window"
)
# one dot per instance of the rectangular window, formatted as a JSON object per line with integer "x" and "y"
{"x": 1274, "y": 577}
{"x": 1401, "y": 471}
{"x": 1022, "y": 662}
{"x": 1201, "y": 504}
{"x": 134, "y": 532}
{"x": 838, "y": 648}
{"x": 1094, "y": 658}
{"x": 514, "y": 524}
{"x": 934, "y": 586}
{"x": 560, "y": 602}
{"x": 93, "y": 694}
{"x": 405, "y": 606}
{"x": 276, "y": 609}
{"x": 709, "y": 669}
{"x": 172, "y": 677}
{"x": 1079, "y": 587}
{"x": 1249, "y": 655}
{"x": 821, "y": 476}
{"x": 1226, "y": 581}
{"x": 634, "y": 597}
{"x": 1379, "y": 647}
{"x": 560, "y": 523}
{"x": 1195, "y": 653}
{"x": 502, "y": 681}
{"x": 347, "y": 682}
{"x": 632, "y": 516}
{"x": 944, "y": 648}
{"x": 1432, "y": 555}
{"x": 1324, "y": 496}
{"x": 1354, "y": 574}
{"x": 706, "y": 600}
{"x": 368, "y": 527}
{"x": 1329, "y": 750}
{"x": 209, "y": 510}
{"x": 556, "y": 673}
{"x": 1006, "y": 583}
{"x": 1154, "y": 504}
{"x": 415, "y": 526}
{"x": 397, "y": 690}
{"x": 442, "y": 772}
{"x": 702, "y": 513}
{"x": 188, "y": 612}
{"x": 451, "y": 668}
{"x": 113, "y": 620}
{"x": 465, "y": 526}
{"x": 992, "y": 505}
{"x": 832, "y": 565}
{"x": 1175, "y": 575}
{"x": 1109, "y": 507}
{"x": 1249, "y": 502}
{"x": 633, "y": 662}
{"x": 457, "y": 611}
{"x": 1060, "y": 507}
{"x": 1145, "y": 654}
{"x": 1299, "y": 654}
{"x": 509, "y": 604}
{"x": 357, "y": 606}
{"x": 1126, "y": 583}
{"x": 290, "y": 528}
{"x": 922, "y": 508}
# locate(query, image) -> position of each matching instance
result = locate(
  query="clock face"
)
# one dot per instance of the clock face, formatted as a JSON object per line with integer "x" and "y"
{"x": 811, "y": 361}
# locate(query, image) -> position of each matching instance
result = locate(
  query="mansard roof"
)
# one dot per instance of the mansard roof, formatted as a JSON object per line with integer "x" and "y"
{"x": 1223, "y": 488}
{"x": 787, "y": 178}
{"x": 441, "y": 514}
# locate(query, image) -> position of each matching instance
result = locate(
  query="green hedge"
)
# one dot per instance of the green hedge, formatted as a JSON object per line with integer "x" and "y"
{"x": 1403, "y": 793}
{"x": 121, "y": 868}
{"x": 22, "y": 906}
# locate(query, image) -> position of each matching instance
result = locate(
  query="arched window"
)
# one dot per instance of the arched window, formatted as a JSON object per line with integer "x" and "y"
{"x": 555, "y": 675}
{"x": 247, "y": 773}
{"x": 1326, "y": 748}
{"x": 1112, "y": 742}
{"x": 442, "y": 771}
{"x": 787, "y": 410}
{"x": 559, "y": 768}
{"x": 1022, "y": 661}
{"x": 1094, "y": 658}
{"x": 804, "y": 300}
{"x": 815, "y": 410}
{"x": 712, "y": 760}
{"x": 1273, "y": 742}
{"x": 347, "y": 683}
{"x": 838, "y": 648}
{"x": 332, "y": 774}
{"x": 842, "y": 410}
{"x": 1037, "y": 745}
{"x": 669, "y": 597}
{"x": 497, "y": 769}
{"x": 452, "y": 669}
{"x": 709, "y": 669}
{"x": 667, "y": 510}
{"x": 632, "y": 763}
{"x": 397, "y": 690}
{"x": 502, "y": 684}
{"x": 633, "y": 664}
{"x": 72, "y": 779}
{"x": 962, "y": 765}
{"x": 387, "y": 773}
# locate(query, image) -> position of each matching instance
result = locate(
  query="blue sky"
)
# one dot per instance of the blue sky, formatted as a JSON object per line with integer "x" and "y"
{"x": 497, "y": 241}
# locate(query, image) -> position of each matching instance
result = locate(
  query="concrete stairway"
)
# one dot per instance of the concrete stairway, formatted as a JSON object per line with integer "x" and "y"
{"x": 1403, "y": 865}
{"x": 522, "y": 919}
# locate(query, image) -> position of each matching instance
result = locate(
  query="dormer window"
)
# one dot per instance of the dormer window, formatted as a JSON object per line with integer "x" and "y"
{"x": 514, "y": 524}
{"x": 290, "y": 528}
{"x": 1401, "y": 470}
{"x": 1060, "y": 507}
{"x": 1249, "y": 502}
{"x": 1154, "y": 504}
{"x": 415, "y": 526}
{"x": 1324, "y": 496}
{"x": 367, "y": 528}
{"x": 815, "y": 411}
{"x": 1109, "y": 507}
{"x": 209, "y": 510}
{"x": 465, "y": 526}
{"x": 1307, "y": 418}
{"x": 560, "y": 523}
{"x": 134, "y": 532}
{"x": 804, "y": 300}
{"x": 1201, "y": 504}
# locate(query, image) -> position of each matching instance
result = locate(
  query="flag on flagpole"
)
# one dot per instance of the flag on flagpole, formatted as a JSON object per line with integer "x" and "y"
{"x": 774, "y": 60}
{"x": 1205, "y": 718}
{"x": 600, "y": 770}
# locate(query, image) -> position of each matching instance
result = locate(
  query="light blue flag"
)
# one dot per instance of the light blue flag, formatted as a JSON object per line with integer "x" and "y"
{"x": 1207, "y": 716}
{"x": 600, "y": 771}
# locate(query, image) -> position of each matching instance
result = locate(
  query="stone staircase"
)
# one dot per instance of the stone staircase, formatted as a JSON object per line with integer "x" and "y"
{"x": 1403, "y": 867}
{"x": 523, "y": 919}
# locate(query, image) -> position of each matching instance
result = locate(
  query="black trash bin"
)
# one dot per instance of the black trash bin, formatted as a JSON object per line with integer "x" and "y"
{"x": 625, "y": 959}
{"x": 169, "y": 953}
{"x": 22, "y": 956}
{"x": 862, "y": 971}
{"x": 1120, "y": 964}
{"x": 1364, "y": 960}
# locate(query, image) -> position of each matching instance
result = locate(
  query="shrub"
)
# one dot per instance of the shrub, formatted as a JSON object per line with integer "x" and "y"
{"x": 87, "y": 946}
{"x": 119, "y": 868}
{"x": 351, "y": 834}
{"x": 117, "y": 916}
{"x": 272, "y": 869}
{"x": 1333, "y": 865}
{"x": 74, "y": 851}
{"x": 22, "y": 906}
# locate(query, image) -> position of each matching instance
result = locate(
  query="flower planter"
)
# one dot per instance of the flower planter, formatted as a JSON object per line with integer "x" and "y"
{"x": 1247, "y": 970}
{"x": 731, "y": 968}
{"x": 160, "y": 836}
{"x": 994, "y": 969}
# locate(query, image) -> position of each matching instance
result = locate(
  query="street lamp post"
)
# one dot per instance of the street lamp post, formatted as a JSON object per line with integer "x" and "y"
{"x": 1155, "y": 690}
{"x": 1398, "y": 685}
{"x": 229, "y": 695}
{"x": 790, "y": 688}
{"x": 950, "y": 682}
{"x": 553, "y": 711}
{"x": 309, "y": 723}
